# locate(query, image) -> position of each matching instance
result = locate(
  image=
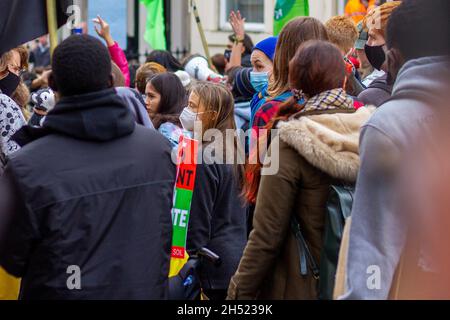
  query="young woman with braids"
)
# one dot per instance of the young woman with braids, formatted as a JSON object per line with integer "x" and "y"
{"x": 318, "y": 131}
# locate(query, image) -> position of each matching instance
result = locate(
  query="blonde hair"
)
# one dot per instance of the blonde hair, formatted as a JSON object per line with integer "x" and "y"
{"x": 378, "y": 17}
{"x": 218, "y": 102}
{"x": 342, "y": 32}
{"x": 5, "y": 58}
{"x": 21, "y": 96}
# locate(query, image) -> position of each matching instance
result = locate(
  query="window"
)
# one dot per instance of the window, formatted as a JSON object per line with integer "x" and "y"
{"x": 252, "y": 10}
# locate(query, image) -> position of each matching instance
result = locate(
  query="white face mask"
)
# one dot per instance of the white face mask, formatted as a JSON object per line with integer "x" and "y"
{"x": 187, "y": 118}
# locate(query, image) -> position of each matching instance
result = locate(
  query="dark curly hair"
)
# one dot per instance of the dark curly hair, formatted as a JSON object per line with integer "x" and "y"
{"x": 81, "y": 64}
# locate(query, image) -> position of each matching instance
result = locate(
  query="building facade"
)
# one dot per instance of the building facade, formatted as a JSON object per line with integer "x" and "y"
{"x": 181, "y": 29}
{"x": 259, "y": 17}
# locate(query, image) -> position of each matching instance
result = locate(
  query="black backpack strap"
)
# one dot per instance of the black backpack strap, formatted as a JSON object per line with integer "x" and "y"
{"x": 306, "y": 257}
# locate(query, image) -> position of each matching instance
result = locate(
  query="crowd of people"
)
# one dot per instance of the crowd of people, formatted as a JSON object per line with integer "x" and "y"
{"x": 87, "y": 175}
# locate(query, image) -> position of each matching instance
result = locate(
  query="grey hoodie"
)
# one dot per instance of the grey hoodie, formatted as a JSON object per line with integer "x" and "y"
{"x": 378, "y": 231}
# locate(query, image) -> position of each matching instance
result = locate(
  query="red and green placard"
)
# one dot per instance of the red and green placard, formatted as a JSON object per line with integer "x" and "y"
{"x": 182, "y": 199}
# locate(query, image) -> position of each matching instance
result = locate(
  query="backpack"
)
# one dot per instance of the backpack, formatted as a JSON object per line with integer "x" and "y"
{"x": 339, "y": 208}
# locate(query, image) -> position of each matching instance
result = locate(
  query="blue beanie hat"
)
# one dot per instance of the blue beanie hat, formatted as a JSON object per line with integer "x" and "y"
{"x": 267, "y": 46}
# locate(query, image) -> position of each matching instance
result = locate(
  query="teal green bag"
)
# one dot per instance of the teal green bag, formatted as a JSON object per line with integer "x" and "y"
{"x": 339, "y": 208}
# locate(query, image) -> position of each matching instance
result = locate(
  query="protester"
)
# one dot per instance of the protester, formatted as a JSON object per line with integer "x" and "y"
{"x": 262, "y": 56}
{"x": 166, "y": 98}
{"x": 343, "y": 33}
{"x": 218, "y": 217}
{"x": 291, "y": 37}
{"x": 11, "y": 116}
{"x": 165, "y": 59}
{"x": 376, "y": 21}
{"x": 417, "y": 60}
{"x": 249, "y": 85}
{"x": 89, "y": 187}
{"x": 240, "y": 47}
{"x": 310, "y": 125}
{"x": 117, "y": 54}
{"x": 90, "y": 194}
{"x": 21, "y": 95}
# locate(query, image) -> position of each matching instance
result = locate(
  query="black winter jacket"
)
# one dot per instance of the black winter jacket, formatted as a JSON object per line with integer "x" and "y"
{"x": 218, "y": 221}
{"x": 92, "y": 193}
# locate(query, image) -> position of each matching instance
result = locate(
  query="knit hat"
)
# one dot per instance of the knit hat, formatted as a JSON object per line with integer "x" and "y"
{"x": 363, "y": 37}
{"x": 267, "y": 46}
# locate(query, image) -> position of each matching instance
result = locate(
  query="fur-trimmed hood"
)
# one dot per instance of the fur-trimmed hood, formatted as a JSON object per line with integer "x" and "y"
{"x": 329, "y": 141}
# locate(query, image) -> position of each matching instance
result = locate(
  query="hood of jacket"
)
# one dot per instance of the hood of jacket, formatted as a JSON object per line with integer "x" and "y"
{"x": 136, "y": 104}
{"x": 328, "y": 141}
{"x": 98, "y": 116}
{"x": 426, "y": 76}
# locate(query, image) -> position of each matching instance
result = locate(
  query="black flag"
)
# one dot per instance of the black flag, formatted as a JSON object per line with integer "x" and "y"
{"x": 25, "y": 20}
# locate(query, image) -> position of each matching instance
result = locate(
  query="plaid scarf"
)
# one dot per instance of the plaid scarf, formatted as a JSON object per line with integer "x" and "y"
{"x": 329, "y": 100}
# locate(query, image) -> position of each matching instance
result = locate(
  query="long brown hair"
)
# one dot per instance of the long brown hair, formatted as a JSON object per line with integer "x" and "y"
{"x": 291, "y": 37}
{"x": 316, "y": 67}
{"x": 173, "y": 98}
{"x": 218, "y": 102}
{"x": 219, "y": 105}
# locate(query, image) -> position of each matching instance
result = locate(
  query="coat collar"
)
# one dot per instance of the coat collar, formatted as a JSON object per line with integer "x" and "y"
{"x": 328, "y": 140}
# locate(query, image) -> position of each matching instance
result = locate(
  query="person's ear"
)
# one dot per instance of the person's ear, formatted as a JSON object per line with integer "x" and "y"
{"x": 52, "y": 82}
{"x": 394, "y": 62}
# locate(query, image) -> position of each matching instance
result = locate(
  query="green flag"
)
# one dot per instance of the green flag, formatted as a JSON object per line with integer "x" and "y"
{"x": 286, "y": 10}
{"x": 155, "y": 29}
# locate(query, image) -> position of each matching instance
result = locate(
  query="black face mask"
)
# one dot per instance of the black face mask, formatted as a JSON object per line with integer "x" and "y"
{"x": 375, "y": 55}
{"x": 9, "y": 84}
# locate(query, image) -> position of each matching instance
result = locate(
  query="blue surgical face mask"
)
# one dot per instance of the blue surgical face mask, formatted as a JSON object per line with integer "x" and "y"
{"x": 259, "y": 80}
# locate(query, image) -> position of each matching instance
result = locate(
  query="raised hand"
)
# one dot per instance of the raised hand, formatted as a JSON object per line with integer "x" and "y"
{"x": 103, "y": 30}
{"x": 238, "y": 24}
